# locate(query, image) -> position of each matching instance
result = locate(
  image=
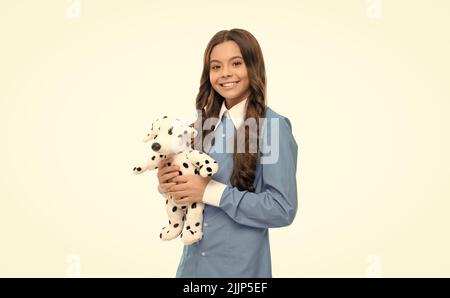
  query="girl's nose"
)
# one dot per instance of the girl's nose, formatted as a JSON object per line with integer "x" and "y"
{"x": 226, "y": 72}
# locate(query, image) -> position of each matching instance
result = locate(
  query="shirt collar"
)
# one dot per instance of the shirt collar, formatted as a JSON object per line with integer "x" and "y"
{"x": 236, "y": 113}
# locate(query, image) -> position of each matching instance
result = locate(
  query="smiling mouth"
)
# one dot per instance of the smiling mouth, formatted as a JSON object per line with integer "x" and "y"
{"x": 229, "y": 85}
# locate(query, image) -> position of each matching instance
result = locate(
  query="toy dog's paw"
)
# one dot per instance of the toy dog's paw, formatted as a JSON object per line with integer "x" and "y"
{"x": 208, "y": 169}
{"x": 170, "y": 232}
{"x": 191, "y": 235}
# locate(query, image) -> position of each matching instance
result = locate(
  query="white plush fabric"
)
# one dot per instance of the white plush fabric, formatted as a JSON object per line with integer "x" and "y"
{"x": 172, "y": 137}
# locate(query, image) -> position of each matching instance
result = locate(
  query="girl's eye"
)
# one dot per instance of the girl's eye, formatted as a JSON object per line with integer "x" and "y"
{"x": 237, "y": 63}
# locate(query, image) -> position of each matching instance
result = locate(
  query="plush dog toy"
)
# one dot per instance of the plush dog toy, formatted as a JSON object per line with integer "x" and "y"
{"x": 172, "y": 137}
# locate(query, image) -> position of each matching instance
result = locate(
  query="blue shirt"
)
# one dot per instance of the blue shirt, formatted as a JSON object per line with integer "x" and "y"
{"x": 235, "y": 239}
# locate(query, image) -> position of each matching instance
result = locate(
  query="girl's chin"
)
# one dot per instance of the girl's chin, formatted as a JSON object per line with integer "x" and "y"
{"x": 229, "y": 93}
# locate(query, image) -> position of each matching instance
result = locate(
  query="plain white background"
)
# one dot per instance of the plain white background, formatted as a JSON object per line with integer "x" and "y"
{"x": 364, "y": 83}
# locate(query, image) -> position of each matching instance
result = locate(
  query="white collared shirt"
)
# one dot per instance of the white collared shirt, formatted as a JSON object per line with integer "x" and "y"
{"x": 236, "y": 113}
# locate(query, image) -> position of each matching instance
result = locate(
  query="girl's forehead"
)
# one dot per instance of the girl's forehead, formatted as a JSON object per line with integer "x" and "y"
{"x": 225, "y": 51}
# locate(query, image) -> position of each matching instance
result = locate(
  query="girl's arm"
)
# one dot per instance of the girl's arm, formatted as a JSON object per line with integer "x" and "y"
{"x": 276, "y": 204}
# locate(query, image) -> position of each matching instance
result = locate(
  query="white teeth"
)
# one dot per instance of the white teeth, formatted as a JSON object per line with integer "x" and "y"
{"x": 229, "y": 84}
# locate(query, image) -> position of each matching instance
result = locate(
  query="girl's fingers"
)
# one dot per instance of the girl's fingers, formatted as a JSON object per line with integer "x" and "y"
{"x": 166, "y": 186}
{"x": 183, "y": 200}
{"x": 179, "y": 194}
{"x": 165, "y": 170}
{"x": 162, "y": 163}
{"x": 168, "y": 176}
{"x": 179, "y": 187}
{"x": 171, "y": 168}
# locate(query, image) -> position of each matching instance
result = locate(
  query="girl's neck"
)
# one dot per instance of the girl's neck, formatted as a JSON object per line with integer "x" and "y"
{"x": 229, "y": 103}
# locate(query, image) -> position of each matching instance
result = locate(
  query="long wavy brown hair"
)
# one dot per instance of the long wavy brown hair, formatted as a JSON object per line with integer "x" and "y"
{"x": 209, "y": 103}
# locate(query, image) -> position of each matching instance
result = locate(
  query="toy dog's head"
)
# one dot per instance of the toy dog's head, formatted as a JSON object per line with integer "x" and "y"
{"x": 170, "y": 136}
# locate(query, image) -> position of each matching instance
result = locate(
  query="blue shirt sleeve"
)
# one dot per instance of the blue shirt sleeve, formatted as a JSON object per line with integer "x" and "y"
{"x": 275, "y": 205}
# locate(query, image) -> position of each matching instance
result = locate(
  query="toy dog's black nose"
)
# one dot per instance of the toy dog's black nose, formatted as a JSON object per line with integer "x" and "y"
{"x": 156, "y": 146}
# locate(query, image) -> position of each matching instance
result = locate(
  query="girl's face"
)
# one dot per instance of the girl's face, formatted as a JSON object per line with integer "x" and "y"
{"x": 228, "y": 73}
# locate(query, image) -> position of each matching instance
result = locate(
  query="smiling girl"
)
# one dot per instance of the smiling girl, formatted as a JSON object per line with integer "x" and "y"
{"x": 253, "y": 190}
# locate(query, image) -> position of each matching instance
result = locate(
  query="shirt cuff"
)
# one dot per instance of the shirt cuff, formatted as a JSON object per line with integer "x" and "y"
{"x": 213, "y": 193}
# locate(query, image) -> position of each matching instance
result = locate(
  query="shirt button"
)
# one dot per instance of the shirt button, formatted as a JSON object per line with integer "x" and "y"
{"x": 223, "y": 135}
{"x": 203, "y": 254}
{"x": 205, "y": 224}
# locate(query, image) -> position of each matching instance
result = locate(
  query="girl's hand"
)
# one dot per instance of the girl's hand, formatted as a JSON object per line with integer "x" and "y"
{"x": 189, "y": 189}
{"x": 166, "y": 172}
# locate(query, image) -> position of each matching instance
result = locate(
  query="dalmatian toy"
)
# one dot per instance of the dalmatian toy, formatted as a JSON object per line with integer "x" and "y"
{"x": 172, "y": 138}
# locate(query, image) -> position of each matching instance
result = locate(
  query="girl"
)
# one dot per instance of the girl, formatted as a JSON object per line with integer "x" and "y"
{"x": 254, "y": 189}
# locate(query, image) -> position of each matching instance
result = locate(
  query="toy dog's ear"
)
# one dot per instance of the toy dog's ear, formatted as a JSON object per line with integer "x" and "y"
{"x": 149, "y": 136}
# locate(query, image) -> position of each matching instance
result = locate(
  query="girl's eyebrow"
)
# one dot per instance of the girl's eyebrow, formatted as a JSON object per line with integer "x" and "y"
{"x": 228, "y": 59}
